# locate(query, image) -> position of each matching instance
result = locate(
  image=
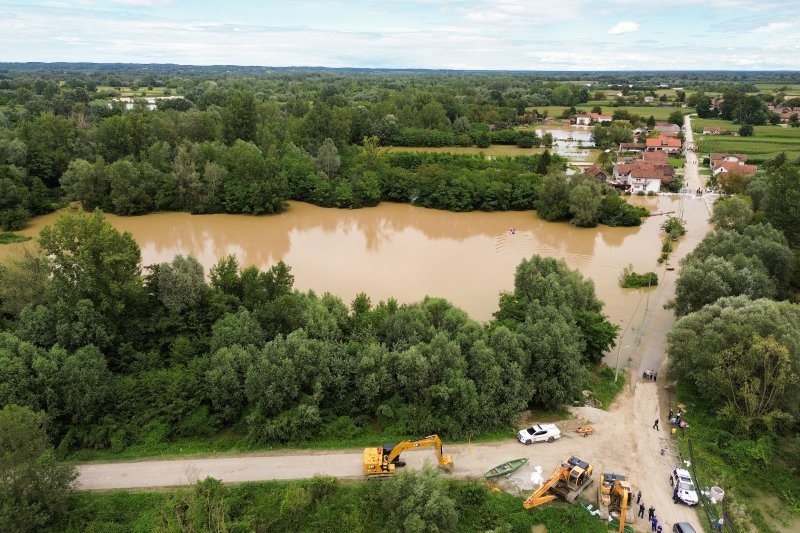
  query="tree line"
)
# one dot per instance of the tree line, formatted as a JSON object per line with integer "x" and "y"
{"x": 737, "y": 340}
{"x": 115, "y": 355}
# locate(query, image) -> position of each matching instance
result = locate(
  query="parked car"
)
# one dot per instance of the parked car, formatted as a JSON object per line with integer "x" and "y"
{"x": 686, "y": 491}
{"x": 683, "y": 527}
{"x": 539, "y": 433}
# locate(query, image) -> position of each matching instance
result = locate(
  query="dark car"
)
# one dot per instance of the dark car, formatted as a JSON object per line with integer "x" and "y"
{"x": 683, "y": 527}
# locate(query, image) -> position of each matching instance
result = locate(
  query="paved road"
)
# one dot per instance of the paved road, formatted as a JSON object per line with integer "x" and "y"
{"x": 691, "y": 175}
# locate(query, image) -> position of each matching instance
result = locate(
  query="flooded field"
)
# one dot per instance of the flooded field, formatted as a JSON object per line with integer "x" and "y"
{"x": 406, "y": 252}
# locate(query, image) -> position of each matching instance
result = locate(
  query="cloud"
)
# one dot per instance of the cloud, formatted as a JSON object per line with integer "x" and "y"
{"x": 625, "y": 26}
{"x": 142, "y": 3}
{"x": 772, "y": 26}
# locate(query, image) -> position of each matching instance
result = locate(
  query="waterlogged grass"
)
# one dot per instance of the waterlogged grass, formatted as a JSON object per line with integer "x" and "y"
{"x": 319, "y": 504}
{"x": 8, "y": 237}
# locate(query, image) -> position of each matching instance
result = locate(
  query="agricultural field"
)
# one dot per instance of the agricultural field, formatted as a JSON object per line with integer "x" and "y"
{"x": 789, "y": 88}
{"x": 766, "y": 142}
{"x": 659, "y": 113}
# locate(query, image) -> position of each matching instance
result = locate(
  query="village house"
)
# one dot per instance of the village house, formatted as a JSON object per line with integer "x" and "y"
{"x": 596, "y": 172}
{"x": 667, "y": 127}
{"x": 591, "y": 118}
{"x": 668, "y": 145}
{"x": 717, "y": 158}
{"x": 739, "y": 168}
{"x": 632, "y": 147}
{"x": 713, "y": 130}
{"x": 645, "y": 174}
{"x": 649, "y": 99}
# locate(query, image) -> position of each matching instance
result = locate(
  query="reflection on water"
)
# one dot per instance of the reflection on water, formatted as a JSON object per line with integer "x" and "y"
{"x": 406, "y": 252}
{"x": 571, "y": 143}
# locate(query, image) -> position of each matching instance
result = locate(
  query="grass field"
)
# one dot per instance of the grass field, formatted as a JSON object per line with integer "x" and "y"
{"x": 659, "y": 113}
{"x": 495, "y": 150}
{"x": 791, "y": 89}
{"x": 141, "y": 91}
{"x": 766, "y": 142}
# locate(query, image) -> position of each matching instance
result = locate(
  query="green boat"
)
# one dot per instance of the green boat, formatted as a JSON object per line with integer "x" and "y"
{"x": 506, "y": 468}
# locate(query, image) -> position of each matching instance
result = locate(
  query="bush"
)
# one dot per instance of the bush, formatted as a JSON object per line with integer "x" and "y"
{"x": 632, "y": 280}
{"x": 674, "y": 228}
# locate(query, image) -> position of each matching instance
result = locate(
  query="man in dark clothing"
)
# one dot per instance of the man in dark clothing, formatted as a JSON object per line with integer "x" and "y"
{"x": 655, "y": 425}
{"x": 654, "y": 523}
{"x": 650, "y": 512}
{"x": 638, "y": 496}
{"x": 671, "y": 481}
{"x": 641, "y": 510}
{"x": 675, "y": 495}
{"x": 670, "y": 414}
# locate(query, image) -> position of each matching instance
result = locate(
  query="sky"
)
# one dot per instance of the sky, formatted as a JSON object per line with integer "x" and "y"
{"x": 432, "y": 34}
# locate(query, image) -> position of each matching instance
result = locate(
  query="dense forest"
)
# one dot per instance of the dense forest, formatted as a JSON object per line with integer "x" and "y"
{"x": 736, "y": 348}
{"x": 246, "y": 140}
{"x": 117, "y": 355}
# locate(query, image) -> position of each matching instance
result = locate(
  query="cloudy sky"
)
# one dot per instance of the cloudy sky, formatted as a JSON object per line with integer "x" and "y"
{"x": 455, "y": 34}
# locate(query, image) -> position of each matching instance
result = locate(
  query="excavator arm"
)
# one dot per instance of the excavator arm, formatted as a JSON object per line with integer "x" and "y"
{"x": 623, "y": 509}
{"x": 445, "y": 461}
{"x": 540, "y": 496}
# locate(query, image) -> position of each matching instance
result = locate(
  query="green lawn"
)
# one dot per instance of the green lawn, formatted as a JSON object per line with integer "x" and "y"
{"x": 778, "y": 132}
{"x": 141, "y": 91}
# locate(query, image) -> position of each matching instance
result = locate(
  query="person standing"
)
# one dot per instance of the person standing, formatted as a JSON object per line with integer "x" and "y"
{"x": 654, "y": 523}
{"x": 641, "y": 510}
{"x": 655, "y": 425}
{"x": 651, "y": 512}
{"x": 671, "y": 481}
{"x": 720, "y": 522}
{"x": 671, "y": 414}
{"x": 639, "y": 496}
{"x": 675, "y": 495}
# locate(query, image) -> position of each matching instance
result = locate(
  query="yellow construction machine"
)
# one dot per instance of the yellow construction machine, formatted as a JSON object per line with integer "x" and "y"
{"x": 382, "y": 461}
{"x": 614, "y": 494}
{"x": 567, "y": 482}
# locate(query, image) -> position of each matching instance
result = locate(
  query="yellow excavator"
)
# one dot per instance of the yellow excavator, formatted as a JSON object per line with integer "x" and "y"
{"x": 567, "y": 482}
{"x": 614, "y": 494}
{"x": 382, "y": 461}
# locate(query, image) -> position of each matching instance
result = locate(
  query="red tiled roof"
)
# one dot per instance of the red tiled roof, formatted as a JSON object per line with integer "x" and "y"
{"x": 746, "y": 170}
{"x": 655, "y": 157}
{"x": 594, "y": 170}
{"x": 659, "y": 142}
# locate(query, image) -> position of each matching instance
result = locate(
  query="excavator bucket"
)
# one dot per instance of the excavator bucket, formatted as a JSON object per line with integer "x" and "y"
{"x": 446, "y": 463}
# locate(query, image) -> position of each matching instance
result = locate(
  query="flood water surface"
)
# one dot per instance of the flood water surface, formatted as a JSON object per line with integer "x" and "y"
{"x": 403, "y": 252}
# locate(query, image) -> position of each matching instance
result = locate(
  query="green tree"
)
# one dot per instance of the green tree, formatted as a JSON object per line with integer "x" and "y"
{"x": 89, "y": 259}
{"x": 87, "y": 183}
{"x": 782, "y": 200}
{"x": 87, "y": 385}
{"x": 584, "y": 204}
{"x": 417, "y": 503}
{"x": 327, "y": 159}
{"x": 180, "y": 283}
{"x": 746, "y": 130}
{"x": 726, "y": 337}
{"x": 676, "y": 117}
{"x": 34, "y": 487}
{"x": 553, "y": 197}
{"x": 734, "y": 213}
{"x": 703, "y": 282}
{"x": 240, "y": 117}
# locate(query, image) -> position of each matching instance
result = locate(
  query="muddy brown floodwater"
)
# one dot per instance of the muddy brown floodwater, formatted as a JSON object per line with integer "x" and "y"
{"x": 406, "y": 252}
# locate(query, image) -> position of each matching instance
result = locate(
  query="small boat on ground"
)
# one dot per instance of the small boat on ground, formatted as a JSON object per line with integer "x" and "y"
{"x": 506, "y": 468}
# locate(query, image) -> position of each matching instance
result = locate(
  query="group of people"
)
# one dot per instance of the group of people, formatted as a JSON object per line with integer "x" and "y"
{"x": 676, "y": 421}
{"x": 650, "y": 374}
{"x": 651, "y": 514}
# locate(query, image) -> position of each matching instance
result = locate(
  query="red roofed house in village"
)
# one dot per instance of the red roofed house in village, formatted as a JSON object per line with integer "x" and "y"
{"x": 739, "y": 168}
{"x": 596, "y": 172}
{"x": 645, "y": 174}
{"x": 664, "y": 144}
{"x": 712, "y": 130}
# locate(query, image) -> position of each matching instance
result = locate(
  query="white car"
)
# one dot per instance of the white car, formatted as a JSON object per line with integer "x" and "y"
{"x": 686, "y": 491}
{"x": 539, "y": 433}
